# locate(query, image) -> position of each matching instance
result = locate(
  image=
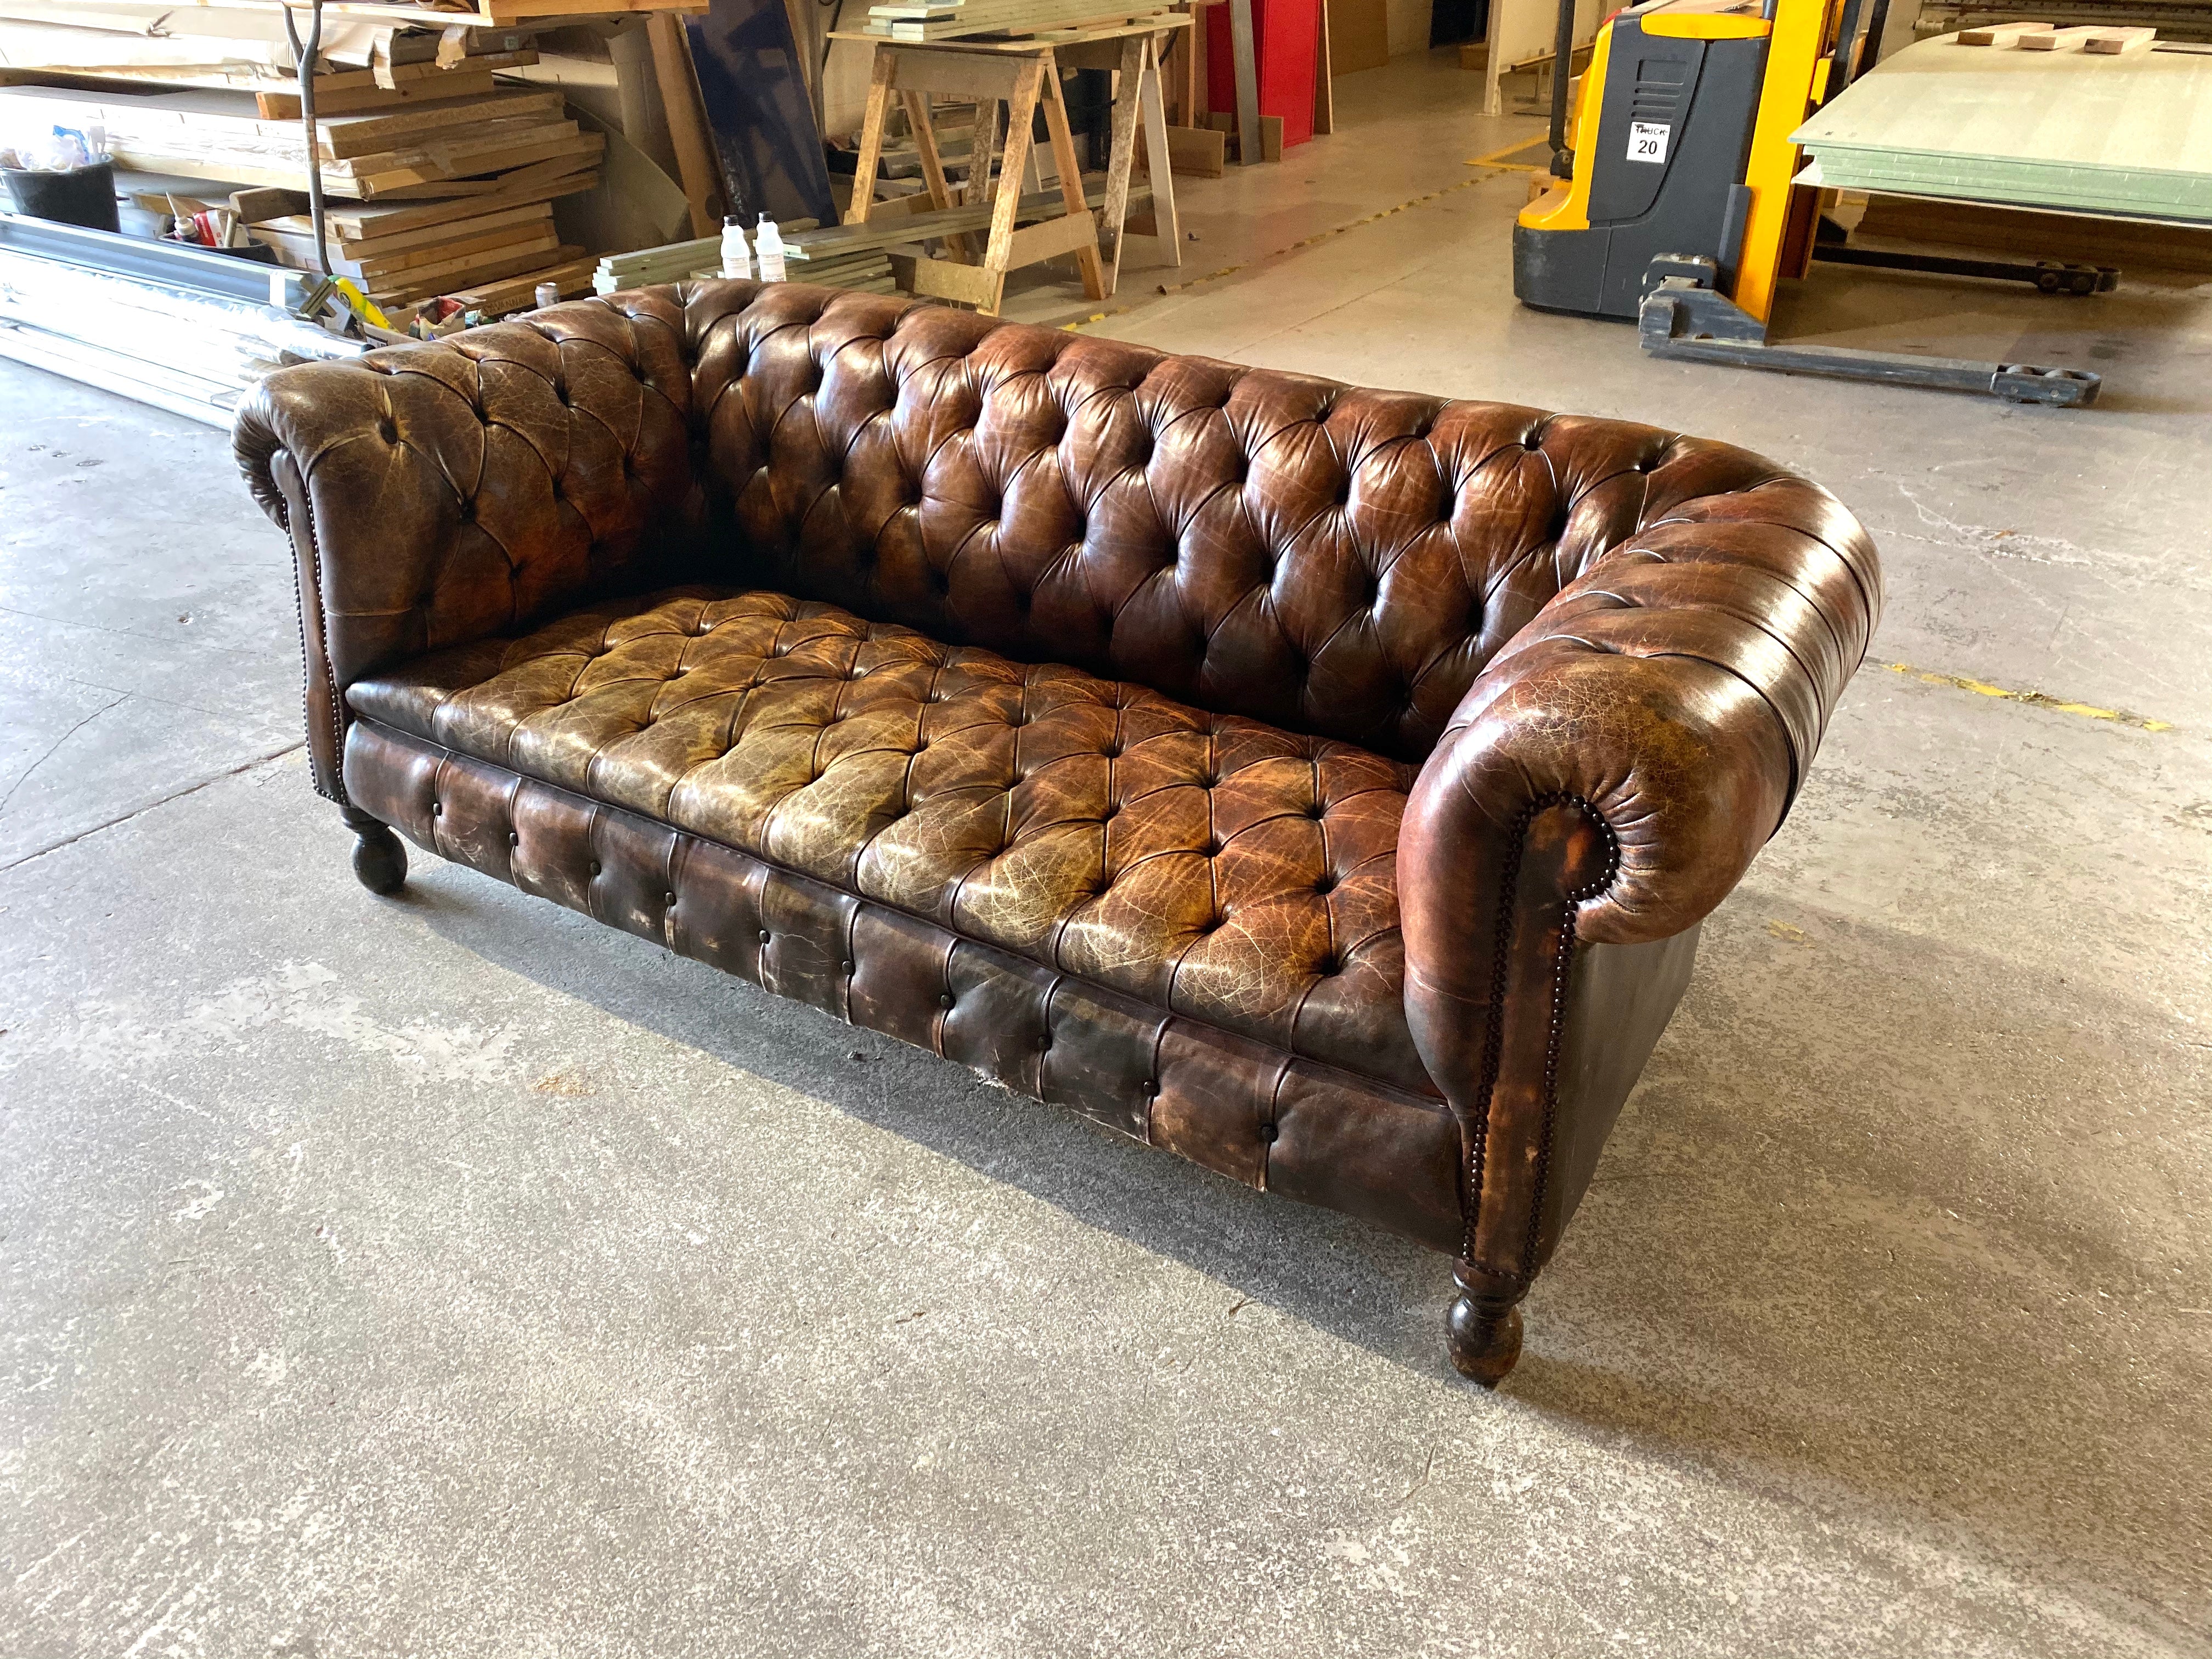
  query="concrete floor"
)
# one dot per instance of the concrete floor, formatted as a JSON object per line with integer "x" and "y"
{"x": 454, "y": 1276}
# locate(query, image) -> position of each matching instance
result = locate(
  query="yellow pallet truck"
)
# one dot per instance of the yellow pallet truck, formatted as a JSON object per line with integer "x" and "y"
{"x": 1675, "y": 205}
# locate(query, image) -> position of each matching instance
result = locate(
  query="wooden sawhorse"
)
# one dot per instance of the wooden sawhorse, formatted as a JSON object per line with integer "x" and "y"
{"x": 1023, "y": 75}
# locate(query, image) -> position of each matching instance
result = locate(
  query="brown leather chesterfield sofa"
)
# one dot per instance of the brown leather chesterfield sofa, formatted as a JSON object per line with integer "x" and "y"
{"x": 1324, "y": 784}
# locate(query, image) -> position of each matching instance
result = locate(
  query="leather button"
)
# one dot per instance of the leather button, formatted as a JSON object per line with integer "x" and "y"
{"x": 1045, "y": 1042}
{"x": 1266, "y": 1132}
{"x": 1152, "y": 1087}
{"x": 513, "y": 839}
{"x": 848, "y": 967}
{"x": 595, "y": 866}
{"x": 946, "y": 1001}
{"x": 669, "y": 899}
{"x": 437, "y": 809}
{"x": 764, "y": 936}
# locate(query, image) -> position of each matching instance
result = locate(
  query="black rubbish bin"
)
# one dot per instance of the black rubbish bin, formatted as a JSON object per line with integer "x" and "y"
{"x": 79, "y": 196}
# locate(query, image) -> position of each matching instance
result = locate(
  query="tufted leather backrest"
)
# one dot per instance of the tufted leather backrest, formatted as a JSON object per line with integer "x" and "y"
{"x": 1330, "y": 560}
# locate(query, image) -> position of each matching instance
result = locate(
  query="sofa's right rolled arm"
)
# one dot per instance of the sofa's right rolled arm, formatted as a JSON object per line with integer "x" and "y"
{"x": 1673, "y": 695}
{"x": 1608, "y": 779}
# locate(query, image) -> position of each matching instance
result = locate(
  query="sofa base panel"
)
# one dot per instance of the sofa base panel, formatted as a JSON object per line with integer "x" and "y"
{"x": 1247, "y": 1110}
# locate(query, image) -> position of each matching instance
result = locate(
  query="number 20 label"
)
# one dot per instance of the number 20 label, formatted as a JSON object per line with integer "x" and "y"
{"x": 1647, "y": 140}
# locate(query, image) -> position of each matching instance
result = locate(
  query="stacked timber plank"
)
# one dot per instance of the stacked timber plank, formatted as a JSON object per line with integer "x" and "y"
{"x": 369, "y": 155}
{"x": 405, "y": 252}
{"x": 362, "y": 65}
{"x": 950, "y": 20}
{"x": 868, "y": 271}
{"x": 840, "y": 256}
{"x": 426, "y": 196}
{"x": 2119, "y": 132}
{"x": 827, "y": 256}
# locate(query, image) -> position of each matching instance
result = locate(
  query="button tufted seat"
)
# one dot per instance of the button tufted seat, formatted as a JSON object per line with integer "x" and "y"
{"x": 1205, "y": 864}
{"x": 1325, "y": 784}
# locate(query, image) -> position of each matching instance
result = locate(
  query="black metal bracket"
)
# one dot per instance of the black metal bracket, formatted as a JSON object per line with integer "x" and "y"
{"x": 1686, "y": 318}
{"x": 2044, "y": 276}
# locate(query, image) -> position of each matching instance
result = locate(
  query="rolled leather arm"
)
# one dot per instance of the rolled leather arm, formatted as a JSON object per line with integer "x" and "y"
{"x": 438, "y": 493}
{"x": 1628, "y": 752}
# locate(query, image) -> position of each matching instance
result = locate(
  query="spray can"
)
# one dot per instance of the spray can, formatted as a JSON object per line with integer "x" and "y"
{"x": 736, "y": 259}
{"x": 769, "y": 240}
{"x": 548, "y": 294}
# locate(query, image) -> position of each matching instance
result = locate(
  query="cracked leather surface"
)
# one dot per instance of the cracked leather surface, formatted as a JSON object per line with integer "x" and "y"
{"x": 1205, "y": 864}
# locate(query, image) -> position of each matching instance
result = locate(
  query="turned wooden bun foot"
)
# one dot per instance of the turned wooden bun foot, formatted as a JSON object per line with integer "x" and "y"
{"x": 379, "y": 860}
{"x": 1484, "y": 1340}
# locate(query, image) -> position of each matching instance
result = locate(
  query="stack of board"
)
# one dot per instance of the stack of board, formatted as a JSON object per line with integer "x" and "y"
{"x": 827, "y": 256}
{"x": 949, "y": 20}
{"x": 868, "y": 272}
{"x": 400, "y": 252}
{"x": 2120, "y": 133}
{"x": 425, "y": 196}
{"x": 414, "y": 151}
{"x": 841, "y": 256}
{"x": 208, "y": 44}
{"x": 362, "y": 65}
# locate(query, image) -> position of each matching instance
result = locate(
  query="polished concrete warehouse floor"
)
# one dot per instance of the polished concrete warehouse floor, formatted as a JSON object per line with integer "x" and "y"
{"x": 451, "y": 1275}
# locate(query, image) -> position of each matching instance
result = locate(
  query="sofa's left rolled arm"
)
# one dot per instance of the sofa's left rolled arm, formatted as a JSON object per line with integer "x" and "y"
{"x": 441, "y": 493}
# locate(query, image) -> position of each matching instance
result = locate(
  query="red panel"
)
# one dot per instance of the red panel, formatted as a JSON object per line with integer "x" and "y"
{"x": 1285, "y": 39}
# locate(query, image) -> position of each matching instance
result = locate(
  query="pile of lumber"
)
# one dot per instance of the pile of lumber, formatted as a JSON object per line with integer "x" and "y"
{"x": 2099, "y": 40}
{"x": 426, "y": 196}
{"x": 2122, "y": 133}
{"x": 842, "y": 256}
{"x": 832, "y": 256}
{"x": 2174, "y": 20}
{"x": 399, "y": 252}
{"x": 414, "y": 151}
{"x": 363, "y": 64}
{"x": 949, "y": 20}
{"x": 868, "y": 271}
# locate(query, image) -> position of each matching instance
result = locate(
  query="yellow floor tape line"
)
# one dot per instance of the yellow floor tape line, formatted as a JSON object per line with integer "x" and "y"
{"x": 1082, "y": 323}
{"x": 2037, "y": 699}
{"x": 1497, "y": 157}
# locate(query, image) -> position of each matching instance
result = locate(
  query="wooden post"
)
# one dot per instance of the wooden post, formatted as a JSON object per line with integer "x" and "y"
{"x": 1324, "y": 83}
{"x": 1247, "y": 81}
{"x": 1021, "y": 115}
{"x": 1159, "y": 172}
{"x": 881, "y": 73}
{"x": 1095, "y": 283}
{"x": 701, "y": 172}
{"x": 1114, "y": 214}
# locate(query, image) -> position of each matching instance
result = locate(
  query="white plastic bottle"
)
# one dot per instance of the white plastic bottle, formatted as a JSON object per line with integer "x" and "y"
{"x": 737, "y": 261}
{"x": 769, "y": 241}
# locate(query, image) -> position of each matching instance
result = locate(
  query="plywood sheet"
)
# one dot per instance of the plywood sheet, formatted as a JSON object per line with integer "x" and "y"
{"x": 2127, "y": 134}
